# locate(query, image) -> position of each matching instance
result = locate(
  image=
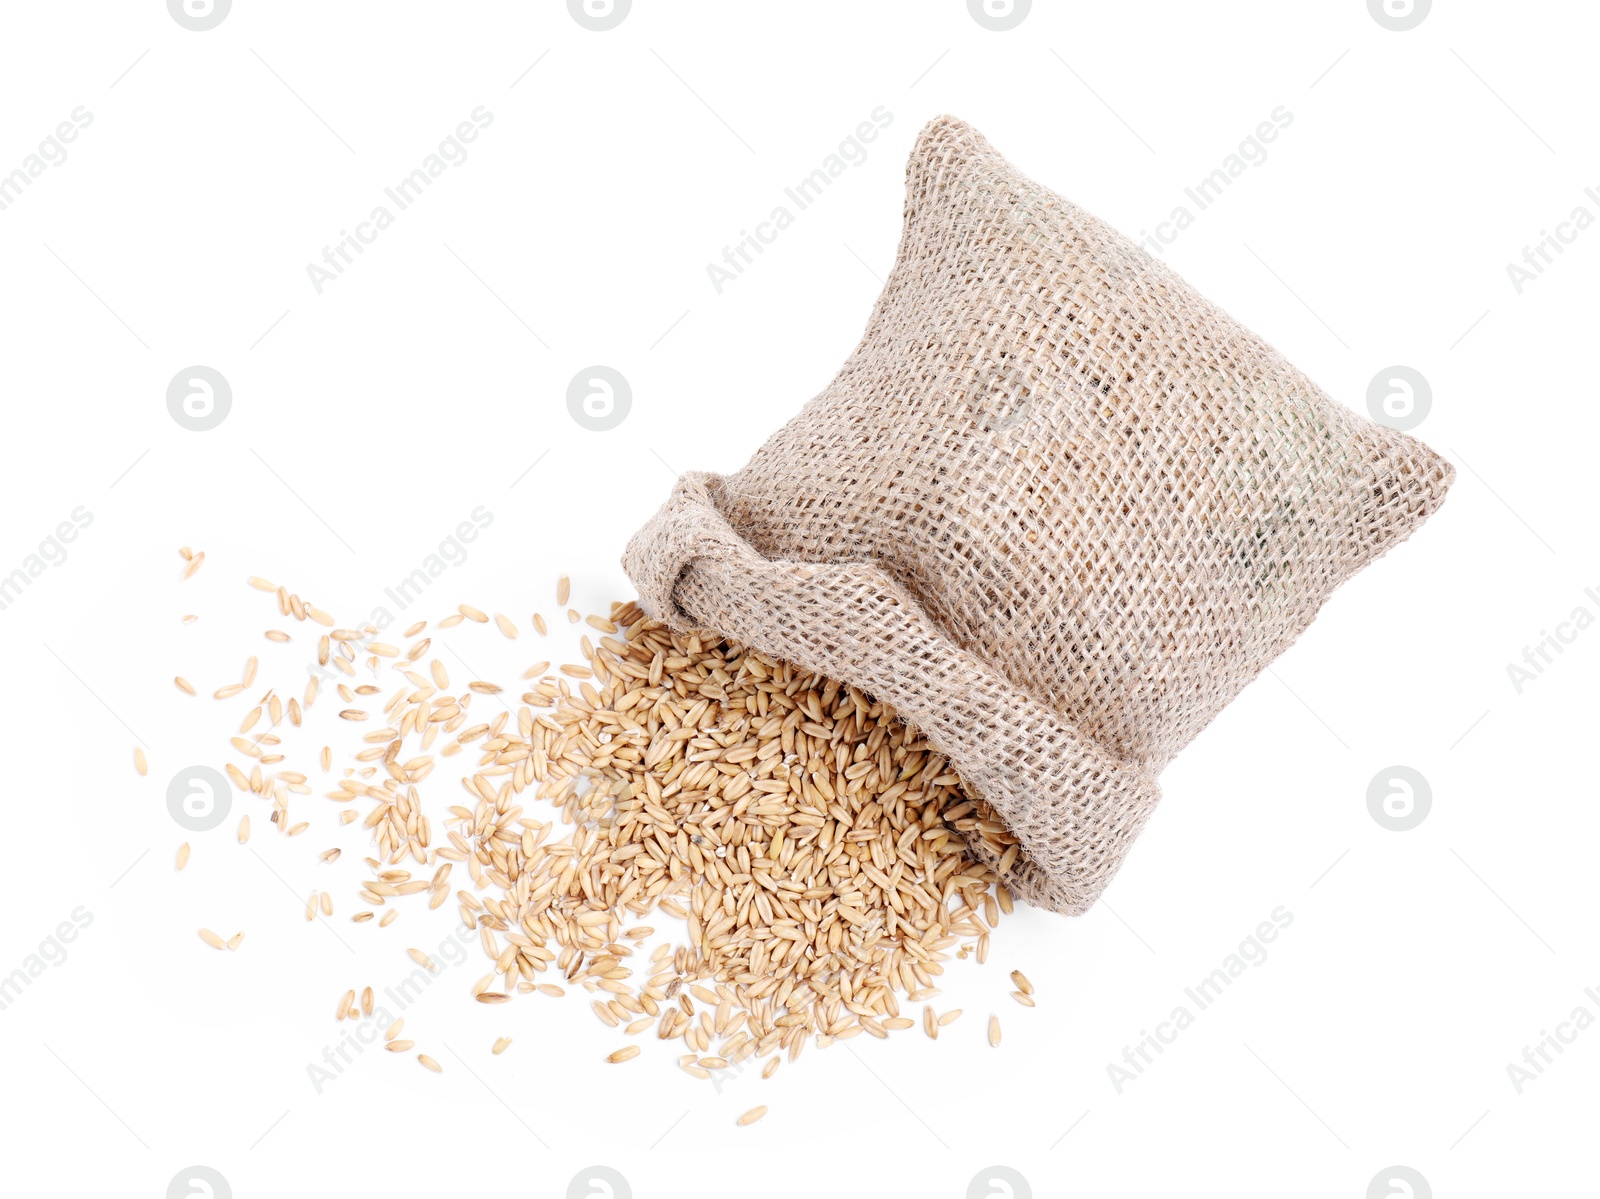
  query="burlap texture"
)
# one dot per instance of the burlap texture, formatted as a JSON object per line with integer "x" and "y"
{"x": 1056, "y": 508}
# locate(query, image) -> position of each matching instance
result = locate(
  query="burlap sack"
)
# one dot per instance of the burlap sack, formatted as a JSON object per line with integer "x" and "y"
{"x": 1057, "y": 509}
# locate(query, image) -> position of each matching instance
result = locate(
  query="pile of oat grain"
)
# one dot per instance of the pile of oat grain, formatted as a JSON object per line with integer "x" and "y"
{"x": 814, "y": 845}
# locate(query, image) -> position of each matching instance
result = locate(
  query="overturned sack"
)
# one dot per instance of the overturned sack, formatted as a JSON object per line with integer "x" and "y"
{"x": 1056, "y": 509}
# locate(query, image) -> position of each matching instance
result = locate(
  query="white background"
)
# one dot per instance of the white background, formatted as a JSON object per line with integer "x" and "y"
{"x": 430, "y": 379}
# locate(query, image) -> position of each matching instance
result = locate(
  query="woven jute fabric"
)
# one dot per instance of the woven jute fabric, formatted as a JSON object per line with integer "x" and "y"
{"x": 1056, "y": 509}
